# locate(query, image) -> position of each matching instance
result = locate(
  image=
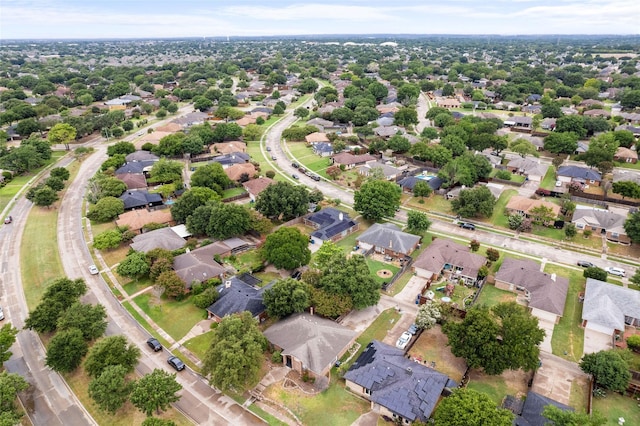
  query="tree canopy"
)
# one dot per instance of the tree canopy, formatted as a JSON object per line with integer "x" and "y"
{"x": 58, "y": 297}
{"x": 475, "y": 202}
{"x": 190, "y": 200}
{"x": 287, "y": 248}
{"x": 632, "y": 226}
{"x": 109, "y": 351}
{"x": 111, "y": 389}
{"x": 283, "y": 201}
{"x": 285, "y": 297}
{"x": 155, "y": 392}
{"x": 350, "y": 277}
{"x": 377, "y": 199}
{"x": 468, "y": 407}
{"x": 608, "y": 368}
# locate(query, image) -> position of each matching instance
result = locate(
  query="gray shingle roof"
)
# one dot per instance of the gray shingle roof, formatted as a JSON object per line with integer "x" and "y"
{"x": 389, "y": 236}
{"x": 134, "y": 167}
{"x": 546, "y": 294}
{"x": 141, "y": 156}
{"x": 532, "y": 410}
{"x": 198, "y": 265}
{"x": 238, "y": 294}
{"x": 160, "y": 238}
{"x": 133, "y": 199}
{"x": 410, "y": 182}
{"x": 608, "y": 304}
{"x": 313, "y": 340}
{"x": 577, "y": 172}
{"x": 605, "y": 219}
{"x": 330, "y": 222}
{"x": 405, "y": 387}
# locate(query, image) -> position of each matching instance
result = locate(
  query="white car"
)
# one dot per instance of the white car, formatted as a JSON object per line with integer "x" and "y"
{"x": 616, "y": 271}
{"x": 403, "y": 341}
{"x": 1, "y": 314}
{"x": 558, "y": 183}
{"x": 93, "y": 269}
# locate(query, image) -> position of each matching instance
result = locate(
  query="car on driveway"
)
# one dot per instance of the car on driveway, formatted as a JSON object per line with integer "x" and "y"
{"x": 176, "y": 363}
{"x": 8, "y": 220}
{"x": 413, "y": 329}
{"x": 154, "y": 344}
{"x": 619, "y": 272}
{"x": 93, "y": 269}
{"x": 273, "y": 157}
{"x": 403, "y": 341}
{"x": 585, "y": 264}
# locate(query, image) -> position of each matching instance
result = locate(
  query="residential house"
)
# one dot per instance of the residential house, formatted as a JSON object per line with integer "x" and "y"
{"x": 397, "y": 387}
{"x": 448, "y": 103}
{"x": 548, "y": 123}
{"x": 350, "y": 161}
{"x": 385, "y": 121}
{"x": 448, "y": 259}
{"x": 133, "y": 181}
{"x": 255, "y": 186}
{"x": 239, "y": 294}
{"x": 141, "y": 156}
{"x": 389, "y": 131}
{"x": 524, "y": 206}
{"x": 316, "y": 137}
{"x": 544, "y": 294}
{"x": 529, "y": 167}
{"x": 169, "y": 128}
{"x": 240, "y": 172}
{"x": 197, "y": 266}
{"x": 227, "y": 148}
{"x": 388, "y": 239}
{"x": 583, "y": 175}
{"x": 330, "y": 224}
{"x": 142, "y": 198}
{"x": 135, "y": 167}
{"x": 626, "y": 155}
{"x": 136, "y": 219}
{"x": 597, "y": 113}
{"x": 164, "y": 238}
{"x": 506, "y": 105}
{"x": 530, "y": 412}
{"x": 408, "y": 183}
{"x": 310, "y": 344}
{"x": 606, "y": 311}
{"x": 601, "y": 221}
{"x": 228, "y": 160}
{"x": 323, "y": 149}
{"x": 588, "y": 103}
{"x": 389, "y": 172}
{"x": 246, "y": 120}
{"x": 519, "y": 122}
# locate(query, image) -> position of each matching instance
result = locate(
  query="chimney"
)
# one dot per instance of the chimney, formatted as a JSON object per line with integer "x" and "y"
{"x": 553, "y": 277}
{"x": 340, "y": 217}
{"x": 311, "y": 310}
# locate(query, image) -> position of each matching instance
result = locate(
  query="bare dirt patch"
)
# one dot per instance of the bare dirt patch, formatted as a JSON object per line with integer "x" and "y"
{"x": 431, "y": 350}
{"x": 384, "y": 273}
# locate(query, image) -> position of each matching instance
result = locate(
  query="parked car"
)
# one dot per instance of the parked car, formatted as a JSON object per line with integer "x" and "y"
{"x": 93, "y": 269}
{"x": 273, "y": 157}
{"x": 616, "y": 271}
{"x": 585, "y": 264}
{"x": 413, "y": 329}
{"x": 316, "y": 178}
{"x": 8, "y": 220}
{"x": 154, "y": 344}
{"x": 296, "y": 275}
{"x": 176, "y": 363}
{"x": 467, "y": 225}
{"x": 403, "y": 341}
{"x": 268, "y": 148}
{"x": 295, "y": 165}
{"x": 1, "y": 314}
{"x": 295, "y": 176}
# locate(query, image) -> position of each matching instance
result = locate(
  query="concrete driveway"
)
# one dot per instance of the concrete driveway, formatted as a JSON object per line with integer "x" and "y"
{"x": 547, "y": 326}
{"x": 555, "y": 376}
{"x": 411, "y": 290}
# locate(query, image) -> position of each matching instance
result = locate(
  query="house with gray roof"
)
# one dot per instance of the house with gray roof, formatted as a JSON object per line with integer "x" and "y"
{"x": 164, "y": 238}
{"x": 606, "y": 311}
{"x": 141, "y": 156}
{"x": 389, "y": 172}
{"x": 531, "y": 410}
{"x": 310, "y": 343}
{"x": 603, "y": 222}
{"x": 197, "y": 266}
{"x": 239, "y": 294}
{"x": 323, "y": 149}
{"x": 408, "y": 183}
{"x": 583, "y": 175}
{"x": 544, "y": 294}
{"x": 228, "y": 160}
{"x": 397, "y": 387}
{"x": 137, "y": 199}
{"x": 135, "y": 167}
{"x": 388, "y": 239}
{"x": 529, "y": 167}
{"x": 331, "y": 224}
{"x": 446, "y": 258}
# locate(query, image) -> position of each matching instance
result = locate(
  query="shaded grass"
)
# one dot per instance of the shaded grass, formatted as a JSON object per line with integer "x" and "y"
{"x": 232, "y": 192}
{"x": 491, "y": 296}
{"x": 615, "y": 406}
{"x": 498, "y": 217}
{"x": 134, "y": 286}
{"x": 271, "y": 420}
{"x": 568, "y": 337}
{"x": 578, "y": 395}
{"x": 199, "y": 344}
{"x": 174, "y": 317}
{"x": 497, "y": 387}
{"x": 40, "y": 262}
{"x": 431, "y": 347}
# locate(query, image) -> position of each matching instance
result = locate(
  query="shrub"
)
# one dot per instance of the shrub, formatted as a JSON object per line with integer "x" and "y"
{"x": 587, "y": 233}
{"x": 633, "y": 342}
{"x": 493, "y": 254}
{"x": 474, "y": 245}
{"x": 503, "y": 174}
{"x": 276, "y": 357}
{"x": 270, "y": 174}
{"x": 206, "y": 298}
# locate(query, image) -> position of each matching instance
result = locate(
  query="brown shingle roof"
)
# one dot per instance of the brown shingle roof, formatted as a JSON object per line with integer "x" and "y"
{"x": 442, "y": 251}
{"x": 349, "y": 159}
{"x": 137, "y": 219}
{"x": 133, "y": 180}
{"x": 525, "y": 204}
{"x": 256, "y": 186}
{"x": 235, "y": 171}
{"x": 228, "y": 147}
{"x": 316, "y": 137}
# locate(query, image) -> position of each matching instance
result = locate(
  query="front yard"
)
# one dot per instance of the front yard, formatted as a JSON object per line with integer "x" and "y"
{"x": 166, "y": 313}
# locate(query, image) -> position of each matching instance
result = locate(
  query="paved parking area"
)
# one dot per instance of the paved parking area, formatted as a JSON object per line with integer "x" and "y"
{"x": 554, "y": 378}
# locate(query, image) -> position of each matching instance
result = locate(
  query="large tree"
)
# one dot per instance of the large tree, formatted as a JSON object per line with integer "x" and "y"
{"x": 65, "y": 350}
{"x": 561, "y": 143}
{"x": 506, "y": 329}
{"x": 10, "y": 385}
{"x": 417, "y": 222}
{"x": 601, "y": 149}
{"x": 134, "y": 266}
{"x": 236, "y": 352}
{"x": 351, "y": 277}
{"x": 106, "y": 209}
{"x": 191, "y": 200}
{"x": 608, "y": 368}
{"x": 632, "y": 227}
{"x": 166, "y": 171}
{"x": 286, "y": 297}
{"x": 155, "y": 392}
{"x": 7, "y": 338}
{"x": 111, "y": 350}
{"x": 111, "y": 389}
{"x": 283, "y": 200}
{"x": 468, "y": 407}
{"x": 475, "y": 202}
{"x": 228, "y": 220}
{"x": 377, "y": 199}
{"x": 89, "y": 319}
{"x": 58, "y": 297}
{"x": 326, "y": 253}
{"x": 62, "y": 133}
{"x": 211, "y": 176}
{"x": 287, "y": 248}
{"x": 627, "y": 188}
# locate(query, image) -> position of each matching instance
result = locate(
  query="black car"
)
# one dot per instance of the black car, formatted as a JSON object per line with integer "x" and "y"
{"x": 154, "y": 344}
{"x": 176, "y": 363}
{"x": 296, "y": 275}
{"x": 585, "y": 264}
{"x": 467, "y": 225}
{"x": 295, "y": 165}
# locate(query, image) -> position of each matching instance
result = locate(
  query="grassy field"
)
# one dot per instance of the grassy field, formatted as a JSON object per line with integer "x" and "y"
{"x": 435, "y": 203}
{"x": 166, "y": 312}
{"x": 568, "y": 337}
{"x": 549, "y": 180}
{"x": 232, "y": 192}
{"x": 497, "y": 387}
{"x": 491, "y": 296}
{"x": 614, "y": 406}
{"x": 498, "y": 217}
{"x": 375, "y": 266}
{"x": 514, "y": 177}
{"x": 199, "y": 344}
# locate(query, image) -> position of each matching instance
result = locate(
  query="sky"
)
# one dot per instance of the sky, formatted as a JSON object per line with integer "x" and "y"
{"x": 90, "y": 19}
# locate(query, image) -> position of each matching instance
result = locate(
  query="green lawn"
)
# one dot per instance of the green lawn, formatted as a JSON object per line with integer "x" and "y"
{"x": 143, "y": 322}
{"x": 514, "y": 177}
{"x": 498, "y": 218}
{"x": 199, "y": 344}
{"x": 491, "y": 296}
{"x": 377, "y": 330}
{"x": 245, "y": 262}
{"x": 614, "y": 406}
{"x": 549, "y": 180}
{"x": 375, "y": 266}
{"x": 553, "y": 233}
{"x": 568, "y": 337}
{"x": 232, "y": 192}
{"x": 176, "y": 318}
{"x": 495, "y": 387}
{"x": 134, "y": 286}
{"x": 433, "y": 204}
